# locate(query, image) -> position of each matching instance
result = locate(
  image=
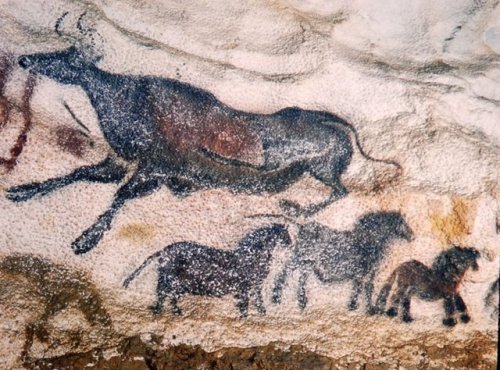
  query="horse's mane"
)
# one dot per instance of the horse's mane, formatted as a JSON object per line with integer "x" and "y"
{"x": 255, "y": 238}
{"x": 454, "y": 261}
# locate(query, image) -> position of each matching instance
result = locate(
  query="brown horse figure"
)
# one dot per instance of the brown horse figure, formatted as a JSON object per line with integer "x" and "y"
{"x": 440, "y": 281}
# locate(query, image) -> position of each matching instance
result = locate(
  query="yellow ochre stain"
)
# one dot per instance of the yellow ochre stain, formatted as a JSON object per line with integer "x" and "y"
{"x": 454, "y": 226}
{"x": 136, "y": 232}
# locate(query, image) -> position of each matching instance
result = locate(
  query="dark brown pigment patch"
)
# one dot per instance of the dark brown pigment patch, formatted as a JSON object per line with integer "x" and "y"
{"x": 134, "y": 354}
{"x": 72, "y": 141}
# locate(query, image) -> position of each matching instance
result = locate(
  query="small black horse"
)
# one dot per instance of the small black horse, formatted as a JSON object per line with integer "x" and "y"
{"x": 337, "y": 256}
{"x": 441, "y": 281}
{"x": 191, "y": 268}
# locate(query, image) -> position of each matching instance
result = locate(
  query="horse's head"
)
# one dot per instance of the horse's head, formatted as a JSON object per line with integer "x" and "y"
{"x": 452, "y": 264}
{"x": 389, "y": 225}
{"x": 267, "y": 237}
{"x": 466, "y": 256}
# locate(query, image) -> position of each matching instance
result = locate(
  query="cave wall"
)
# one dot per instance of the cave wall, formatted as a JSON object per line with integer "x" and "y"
{"x": 339, "y": 157}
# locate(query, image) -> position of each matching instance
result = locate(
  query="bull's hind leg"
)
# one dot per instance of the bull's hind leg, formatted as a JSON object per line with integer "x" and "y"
{"x": 462, "y": 308}
{"x": 328, "y": 169}
{"x": 106, "y": 171}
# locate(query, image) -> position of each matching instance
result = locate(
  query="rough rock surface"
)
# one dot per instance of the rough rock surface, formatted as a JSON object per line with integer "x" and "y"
{"x": 237, "y": 198}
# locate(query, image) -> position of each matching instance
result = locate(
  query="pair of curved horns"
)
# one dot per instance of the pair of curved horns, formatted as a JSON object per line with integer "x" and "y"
{"x": 79, "y": 24}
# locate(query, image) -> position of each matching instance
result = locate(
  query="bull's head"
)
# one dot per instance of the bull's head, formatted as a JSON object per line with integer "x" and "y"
{"x": 66, "y": 66}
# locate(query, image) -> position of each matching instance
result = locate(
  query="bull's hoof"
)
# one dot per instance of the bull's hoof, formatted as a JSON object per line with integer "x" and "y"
{"x": 392, "y": 312}
{"x": 22, "y": 193}
{"x": 465, "y": 318}
{"x": 450, "y": 321}
{"x": 87, "y": 241}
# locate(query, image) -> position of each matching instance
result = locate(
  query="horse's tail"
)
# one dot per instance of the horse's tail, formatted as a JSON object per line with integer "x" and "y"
{"x": 384, "y": 292}
{"x": 141, "y": 267}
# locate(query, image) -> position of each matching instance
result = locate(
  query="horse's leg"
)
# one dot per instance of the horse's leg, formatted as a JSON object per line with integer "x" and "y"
{"x": 405, "y": 305}
{"x": 462, "y": 308}
{"x": 174, "y": 300}
{"x": 356, "y": 290}
{"x": 280, "y": 281}
{"x": 396, "y": 300}
{"x": 142, "y": 183}
{"x": 370, "y": 308}
{"x": 327, "y": 169}
{"x": 449, "y": 309}
{"x": 163, "y": 288}
{"x": 242, "y": 304}
{"x": 106, "y": 171}
{"x": 259, "y": 302}
{"x": 301, "y": 292}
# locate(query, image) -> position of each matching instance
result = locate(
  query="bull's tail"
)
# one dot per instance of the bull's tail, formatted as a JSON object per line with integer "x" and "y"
{"x": 351, "y": 130}
{"x": 142, "y": 267}
{"x": 384, "y": 292}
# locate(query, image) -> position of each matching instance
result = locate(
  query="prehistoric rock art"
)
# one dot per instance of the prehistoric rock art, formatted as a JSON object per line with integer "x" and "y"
{"x": 6, "y": 108}
{"x": 491, "y": 299}
{"x": 191, "y": 268}
{"x": 185, "y": 138}
{"x": 441, "y": 281}
{"x": 336, "y": 256}
{"x": 59, "y": 288}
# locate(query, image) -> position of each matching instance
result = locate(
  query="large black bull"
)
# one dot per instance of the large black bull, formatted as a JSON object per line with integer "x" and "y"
{"x": 184, "y": 138}
{"x": 337, "y": 256}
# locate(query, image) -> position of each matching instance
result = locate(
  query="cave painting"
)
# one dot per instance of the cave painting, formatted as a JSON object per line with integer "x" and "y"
{"x": 191, "y": 268}
{"x": 163, "y": 132}
{"x": 440, "y": 281}
{"x": 58, "y": 288}
{"x": 337, "y": 256}
{"x": 184, "y": 138}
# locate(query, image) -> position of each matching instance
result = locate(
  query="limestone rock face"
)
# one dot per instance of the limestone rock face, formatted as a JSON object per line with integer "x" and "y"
{"x": 249, "y": 184}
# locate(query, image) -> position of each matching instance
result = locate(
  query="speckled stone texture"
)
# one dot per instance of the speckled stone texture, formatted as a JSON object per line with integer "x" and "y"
{"x": 249, "y": 184}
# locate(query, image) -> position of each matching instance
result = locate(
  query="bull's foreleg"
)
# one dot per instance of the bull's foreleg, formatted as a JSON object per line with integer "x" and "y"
{"x": 106, "y": 171}
{"x": 141, "y": 184}
{"x": 449, "y": 309}
{"x": 461, "y": 307}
